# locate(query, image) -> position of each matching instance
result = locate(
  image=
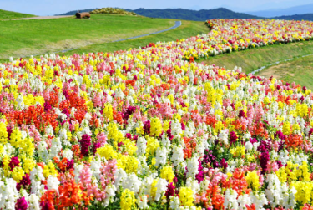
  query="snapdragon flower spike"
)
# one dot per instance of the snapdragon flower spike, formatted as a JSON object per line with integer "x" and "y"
{"x": 85, "y": 142}
{"x": 25, "y": 182}
{"x": 21, "y": 204}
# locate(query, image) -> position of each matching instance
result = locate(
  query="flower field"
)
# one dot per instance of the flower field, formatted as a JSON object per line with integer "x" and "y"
{"x": 151, "y": 129}
{"x": 229, "y": 35}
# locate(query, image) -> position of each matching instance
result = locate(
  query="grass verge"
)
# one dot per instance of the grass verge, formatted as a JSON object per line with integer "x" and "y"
{"x": 252, "y": 59}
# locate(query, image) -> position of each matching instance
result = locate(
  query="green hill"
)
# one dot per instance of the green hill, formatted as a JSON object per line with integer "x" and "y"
{"x": 296, "y": 17}
{"x": 4, "y": 14}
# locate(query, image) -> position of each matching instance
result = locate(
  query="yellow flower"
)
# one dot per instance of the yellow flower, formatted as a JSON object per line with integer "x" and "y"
{"x": 167, "y": 173}
{"x": 127, "y": 200}
{"x": 186, "y": 196}
{"x": 253, "y": 179}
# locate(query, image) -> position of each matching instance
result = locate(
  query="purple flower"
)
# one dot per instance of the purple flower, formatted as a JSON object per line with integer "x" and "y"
{"x": 14, "y": 162}
{"x": 21, "y": 204}
{"x": 233, "y": 137}
{"x": 24, "y": 182}
{"x": 170, "y": 190}
{"x": 96, "y": 145}
{"x": 66, "y": 112}
{"x": 170, "y": 136}
{"x": 264, "y": 158}
{"x": 10, "y": 131}
{"x": 302, "y": 98}
{"x": 47, "y": 106}
{"x": 85, "y": 143}
{"x": 182, "y": 126}
{"x": 242, "y": 113}
{"x": 223, "y": 163}
{"x": 146, "y": 127}
{"x": 128, "y": 135}
{"x": 252, "y": 141}
{"x": 70, "y": 164}
{"x": 65, "y": 93}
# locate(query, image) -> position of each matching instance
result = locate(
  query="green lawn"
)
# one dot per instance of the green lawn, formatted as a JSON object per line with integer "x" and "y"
{"x": 20, "y": 38}
{"x": 252, "y": 59}
{"x": 4, "y": 15}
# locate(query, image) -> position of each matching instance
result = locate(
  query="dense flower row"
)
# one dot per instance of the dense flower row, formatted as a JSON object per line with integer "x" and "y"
{"x": 229, "y": 35}
{"x": 146, "y": 129}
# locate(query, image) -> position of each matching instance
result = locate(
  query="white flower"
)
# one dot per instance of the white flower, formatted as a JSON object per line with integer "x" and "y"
{"x": 161, "y": 156}
{"x": 143, "y": 204}
{"x": 132, "y": 183}
{"x": 193, "y": 166}
{"x": 178, "y": 155}
{"x": 174, "y": 202}
{"x": 67, "y": 153}
{"x": 141, "y": 146}
{"x": 248, "y": 146}
{"x": 33, "y": 202}
{"x": 161, "y": 188}
{"x": 53, "y": 183}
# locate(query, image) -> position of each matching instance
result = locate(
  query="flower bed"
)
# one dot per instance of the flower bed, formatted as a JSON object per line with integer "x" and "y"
{"x": 144, "y": 128}
{"x": 229, "y": 35}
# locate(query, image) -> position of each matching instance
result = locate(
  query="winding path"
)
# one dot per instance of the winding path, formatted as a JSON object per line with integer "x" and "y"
{"x": 176, "y": 25}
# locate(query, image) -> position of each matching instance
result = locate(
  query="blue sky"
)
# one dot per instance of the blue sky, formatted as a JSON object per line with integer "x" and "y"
{"x": 50, "y": 7}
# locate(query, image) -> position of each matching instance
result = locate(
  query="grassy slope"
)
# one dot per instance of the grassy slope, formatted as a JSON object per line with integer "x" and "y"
{"x": 299, "y": 70}
{"x": 252, "y": 59}
{"x": 24, "y": 37}
{"x": 4, "y": 14}
{"x": 186, "y": 30}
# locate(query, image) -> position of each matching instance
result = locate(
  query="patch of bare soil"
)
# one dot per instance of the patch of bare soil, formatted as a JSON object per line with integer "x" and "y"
{"x": 277, "y": 71}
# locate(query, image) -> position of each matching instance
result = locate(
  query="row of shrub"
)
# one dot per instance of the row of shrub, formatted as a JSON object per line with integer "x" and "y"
{"x": 110, "y": 10}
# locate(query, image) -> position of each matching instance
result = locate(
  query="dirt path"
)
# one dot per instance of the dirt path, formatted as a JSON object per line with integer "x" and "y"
{"x": 41, "y": 17}
{"x": 48, "y": 17}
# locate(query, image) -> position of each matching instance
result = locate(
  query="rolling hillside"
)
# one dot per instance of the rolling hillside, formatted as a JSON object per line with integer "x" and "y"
{"x": 5, "y": 14}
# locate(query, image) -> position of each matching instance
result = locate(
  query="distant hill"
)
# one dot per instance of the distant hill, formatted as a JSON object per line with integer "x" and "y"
{"x": 303, "y": 9}
{"x": 5, "y": 14}
{"x": 187, "y": 14}
{"x": 73, "y": 12}
{"x": 296, "y": 17}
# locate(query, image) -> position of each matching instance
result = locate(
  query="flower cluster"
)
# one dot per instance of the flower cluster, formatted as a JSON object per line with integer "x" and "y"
{"x": 144, "y": 128}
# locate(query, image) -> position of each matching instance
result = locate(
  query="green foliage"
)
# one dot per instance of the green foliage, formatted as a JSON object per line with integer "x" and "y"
{"x": 4, "y": 14}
